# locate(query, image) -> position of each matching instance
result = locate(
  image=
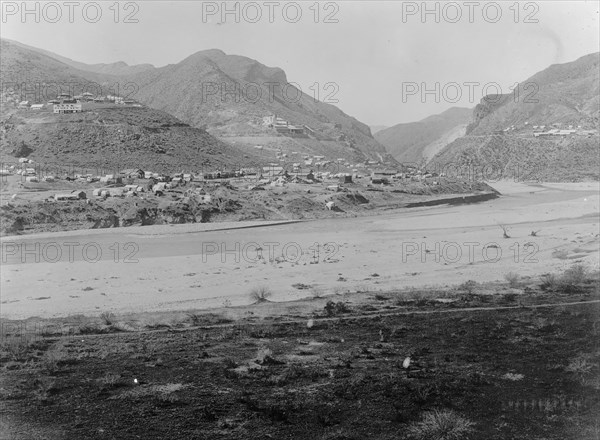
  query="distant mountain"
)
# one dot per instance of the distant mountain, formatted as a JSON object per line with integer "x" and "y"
{"x": 117, "y": 68}
{"x": 415, "y": 141}
{"x": 376, "y": 128}
{"x": 31, "y": 68}
{"x": 227, "y": 95}
{"x": 563, "y": 93}
{"x": 501, "y": 137}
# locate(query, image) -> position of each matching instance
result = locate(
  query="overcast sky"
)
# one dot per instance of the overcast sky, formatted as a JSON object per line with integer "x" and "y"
{"x": 372, "y": 53}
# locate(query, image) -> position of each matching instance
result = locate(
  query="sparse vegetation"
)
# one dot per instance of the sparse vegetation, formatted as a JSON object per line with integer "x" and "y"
{"x": 571, "y": 280}
{"x": 333, "y": 308}
{"x": 441, "y": 425}
{"x": 468, "y": 287}
{"x": 107, "y": 318}
{"x": 261, "y": 294}
{"x": 513, "y": 279}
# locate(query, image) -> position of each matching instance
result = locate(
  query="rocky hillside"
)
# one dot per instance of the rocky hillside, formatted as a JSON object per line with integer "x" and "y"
{"x": 116, "y": 137}
{"x": 523, "y": 158}
{"x": 118, "y": 68}
{"x": 415, "y": 141}
{"x": 501, "y": 136}
{"x": 21, "y": 65}
{"x": 563, "y": 93}
{"x": 196, "y": 91}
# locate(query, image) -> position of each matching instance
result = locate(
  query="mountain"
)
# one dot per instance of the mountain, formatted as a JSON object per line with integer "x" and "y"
{"x": 117, "y": 68}
{"x": 502, "y": 137}
{"x": 35, "y": 69}
{"x": 230, "y": 95}
{"x": 414, "y": 141}
{"x": 227, "y": 95}
{"x": 563, "y": 93}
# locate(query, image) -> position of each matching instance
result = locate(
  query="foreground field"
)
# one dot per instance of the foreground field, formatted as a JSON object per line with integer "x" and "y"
{"x": 491, "y": 367}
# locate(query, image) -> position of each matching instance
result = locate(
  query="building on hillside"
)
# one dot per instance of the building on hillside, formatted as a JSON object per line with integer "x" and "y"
{"x": 133, "y": 173}
{"x": 37, "y": 107}
{"x": 67, "y": 108}
{"x": 24, "y": 104}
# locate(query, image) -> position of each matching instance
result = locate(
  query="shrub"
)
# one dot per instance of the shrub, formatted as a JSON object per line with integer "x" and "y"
{"x": 107, "y": 318}
{"x": 569, "y": 282}
{"x": 332, "y": 308}
{"x": 260, "y": 294}
{"x": 468, "y": 286}
{"x": 441, "y": 425}
{"x": 512, "y": 278}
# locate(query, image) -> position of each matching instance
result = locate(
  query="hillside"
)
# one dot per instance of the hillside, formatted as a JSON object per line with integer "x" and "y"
{"x": 195, "y": 90}
{"x": 523, "y": 158}
{"x": 411, "y": 142}
{"x": 117, "y": 68}
{"x": 563, "y": 93}
{"x": 114, "y": 136}
{"x": 567, "y": 96}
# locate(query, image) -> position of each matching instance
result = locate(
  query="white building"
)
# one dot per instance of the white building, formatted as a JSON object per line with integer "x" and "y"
{"x": 67, "y": 108}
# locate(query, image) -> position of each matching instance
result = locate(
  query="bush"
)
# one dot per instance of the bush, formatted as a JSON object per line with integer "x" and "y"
{"x": 468, "y": 286}
{"x": 569, "y": 282}
{"x": 107, "y": 317}
{"x": 332, "y": 308}
{"x": 260, "y": 294}
{"x": 512, "y": 278}
{"x": 441, "y": 425}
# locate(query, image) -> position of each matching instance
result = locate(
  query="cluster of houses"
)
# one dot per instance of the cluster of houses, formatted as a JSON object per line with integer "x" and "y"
{"x": 551, "y": 130}
{"x": 65, "y": 103}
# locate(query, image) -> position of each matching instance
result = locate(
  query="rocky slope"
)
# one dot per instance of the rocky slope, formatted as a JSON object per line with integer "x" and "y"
{"x": 114, "y": 137}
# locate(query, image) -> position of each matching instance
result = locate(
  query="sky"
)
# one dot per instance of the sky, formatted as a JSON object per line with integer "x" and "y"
{"x": 384, "y": 62}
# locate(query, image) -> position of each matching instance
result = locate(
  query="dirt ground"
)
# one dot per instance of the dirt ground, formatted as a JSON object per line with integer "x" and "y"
{"x": 501, "y": 366}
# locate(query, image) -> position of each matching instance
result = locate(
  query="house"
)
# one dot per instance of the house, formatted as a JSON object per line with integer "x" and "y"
{"x": 65, "y": 196}
{"x": 347, "y": 178}
{"x": 37, "y": 107}
{"x": 73, "y": 195}
{"x": 31, "y": 179}
{"x": 382, "y": 176}
{"x": 24, "y": 104}
{"x": 67, "y": 108}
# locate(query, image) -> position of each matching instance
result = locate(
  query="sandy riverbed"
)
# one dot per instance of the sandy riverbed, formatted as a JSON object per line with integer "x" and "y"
{"x": 166, "y": 269}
